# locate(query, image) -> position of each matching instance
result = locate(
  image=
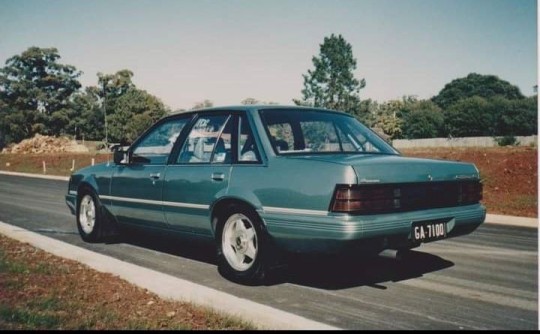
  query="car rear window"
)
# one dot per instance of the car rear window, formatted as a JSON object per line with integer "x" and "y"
{"x": 298, "y": 131}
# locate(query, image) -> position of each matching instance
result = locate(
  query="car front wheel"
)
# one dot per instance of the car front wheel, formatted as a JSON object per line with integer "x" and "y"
{"x": 241, "y": 247}
{"x": 89, "y": 221}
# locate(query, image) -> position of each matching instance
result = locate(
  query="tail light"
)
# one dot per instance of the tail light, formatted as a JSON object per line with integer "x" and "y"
{"x": 471, "y": 192}
{"x": 384, "y": 198}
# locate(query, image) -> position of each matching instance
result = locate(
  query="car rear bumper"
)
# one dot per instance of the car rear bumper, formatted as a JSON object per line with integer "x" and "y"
{"x": 333, "y": 233}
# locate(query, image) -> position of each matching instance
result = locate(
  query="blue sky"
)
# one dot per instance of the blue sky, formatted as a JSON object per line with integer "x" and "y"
{"x": 187, "y": 51}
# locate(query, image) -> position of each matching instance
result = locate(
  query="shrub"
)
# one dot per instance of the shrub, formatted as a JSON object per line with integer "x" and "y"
{"x": 507, "y": 141}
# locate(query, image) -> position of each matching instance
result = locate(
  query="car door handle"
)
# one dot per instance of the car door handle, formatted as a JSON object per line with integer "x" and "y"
{"x": 218, "y": 176}
{"x": 155, "y": 176}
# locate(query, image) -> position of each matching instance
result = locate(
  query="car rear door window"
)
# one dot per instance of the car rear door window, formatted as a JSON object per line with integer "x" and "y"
{"x": 247, "y": 148}
{"x": 208, "y": 141}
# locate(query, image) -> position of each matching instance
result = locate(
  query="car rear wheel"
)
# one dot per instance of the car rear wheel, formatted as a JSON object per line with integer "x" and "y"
{"x": 89, "y": 220}
{"x": 241, "y": 246}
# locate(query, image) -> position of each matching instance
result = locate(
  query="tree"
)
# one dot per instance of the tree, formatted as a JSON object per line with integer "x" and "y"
{"x": 129, "y": 110}
{"x": 515, "y": 117}
{"x": 424, "y": 119}
{"x": 87, "y": 119}
{"x": 469, "y": 117}
{"x": 389, "y": 116}
{"x": 366, "y": 112}
{"x": 388, "y": 119}
{"x": 36, "y": 92}
{"x": 132, "y": 113}
{"x": 250, "y": 101}
{"x": 203, "y": 104}
{"x": 331, "y": 84}
{"x": 486, "y": 86}
{"x": 498, "y": 116}
{"x": 114, "y": 85}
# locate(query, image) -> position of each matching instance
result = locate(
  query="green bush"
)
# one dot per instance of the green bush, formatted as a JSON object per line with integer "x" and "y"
{"x": 507, "y": 141}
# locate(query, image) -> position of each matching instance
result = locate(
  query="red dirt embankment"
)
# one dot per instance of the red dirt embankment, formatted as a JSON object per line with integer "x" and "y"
{"x": 509, "y": 174}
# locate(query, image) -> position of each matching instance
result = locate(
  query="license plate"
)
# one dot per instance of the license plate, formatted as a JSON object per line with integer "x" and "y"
{"x": 428, "y": 231}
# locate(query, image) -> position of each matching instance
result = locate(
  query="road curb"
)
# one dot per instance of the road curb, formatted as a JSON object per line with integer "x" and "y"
{"x": 512, "y": 220}
{"x": 167, "y": 286}
{"x": 490, "y": 218}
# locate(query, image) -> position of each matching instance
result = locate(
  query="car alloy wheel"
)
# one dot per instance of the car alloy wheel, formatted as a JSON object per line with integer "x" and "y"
{"x": 239, "y": 242}
{"x": 89, "y": 218}
{"x": 87, "y": 214}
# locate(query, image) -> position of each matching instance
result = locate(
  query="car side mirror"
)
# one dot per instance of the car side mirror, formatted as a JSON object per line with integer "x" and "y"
{"x": 121, "y": 156}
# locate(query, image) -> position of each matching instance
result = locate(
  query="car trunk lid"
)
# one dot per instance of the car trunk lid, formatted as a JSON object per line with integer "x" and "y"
{"x": 377, "y": 168}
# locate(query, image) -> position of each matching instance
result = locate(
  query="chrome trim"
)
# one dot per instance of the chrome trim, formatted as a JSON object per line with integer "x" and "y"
{"x": 186, "y": 205}
{"x": 462, "y": 177}
{"x": 148, "y": 201}
{"x": 369, "y": 181}
{"x": 73, "y": 192}
{"x": 270, "y": 209}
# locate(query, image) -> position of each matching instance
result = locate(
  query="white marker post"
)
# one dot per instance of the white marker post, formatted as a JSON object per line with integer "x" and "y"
{"x": 93, "y": 161}
{"x": 44, "y": 167}
{"x": 72, "y": 165}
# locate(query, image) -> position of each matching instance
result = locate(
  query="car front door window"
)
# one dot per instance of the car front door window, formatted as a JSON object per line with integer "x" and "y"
{"x": 156, "y": 146}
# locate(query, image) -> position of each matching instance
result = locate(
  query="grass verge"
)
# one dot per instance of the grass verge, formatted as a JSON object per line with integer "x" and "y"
{"x": 41, "y": 291}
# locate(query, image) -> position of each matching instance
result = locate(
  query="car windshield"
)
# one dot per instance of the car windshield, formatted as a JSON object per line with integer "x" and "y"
{"x": 295, "y": 131}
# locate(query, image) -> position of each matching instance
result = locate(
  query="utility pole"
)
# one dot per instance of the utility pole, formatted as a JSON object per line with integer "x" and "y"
{"x": 105, "y": 115}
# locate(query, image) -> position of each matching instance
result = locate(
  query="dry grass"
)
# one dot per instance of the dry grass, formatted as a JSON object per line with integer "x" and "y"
{"x": 42, "y": 291}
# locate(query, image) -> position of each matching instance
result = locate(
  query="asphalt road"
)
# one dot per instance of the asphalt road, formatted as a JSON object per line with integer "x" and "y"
{"x": 486, "y": 280}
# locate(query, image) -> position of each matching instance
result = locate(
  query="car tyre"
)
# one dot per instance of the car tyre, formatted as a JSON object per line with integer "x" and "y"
{"x": 89, "y": 218}
{"x": 242, "y": 246}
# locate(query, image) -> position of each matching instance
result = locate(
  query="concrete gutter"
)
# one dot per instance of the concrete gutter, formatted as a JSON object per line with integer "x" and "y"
{"x": 512, "y": 220}
{"x": 490, "y": 218}
{"x": 167, "y": 286}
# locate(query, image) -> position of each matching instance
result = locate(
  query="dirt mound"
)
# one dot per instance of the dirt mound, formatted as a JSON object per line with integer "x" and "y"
{"x": 46, "y": 144}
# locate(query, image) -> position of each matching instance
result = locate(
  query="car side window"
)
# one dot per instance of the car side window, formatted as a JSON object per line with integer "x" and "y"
{"x": 281, "y": 136}
{"x": 320, "y": 136}
{"x": 247, "y": 148}
{"x": 208, "y": 141}
{"x": 157, "y": 145}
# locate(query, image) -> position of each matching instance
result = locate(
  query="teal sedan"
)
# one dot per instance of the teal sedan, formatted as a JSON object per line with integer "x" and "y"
{"x": 269, "y": 180}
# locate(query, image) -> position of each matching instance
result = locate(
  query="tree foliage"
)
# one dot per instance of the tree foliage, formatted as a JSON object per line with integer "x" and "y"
{"x": 470, "y": 117}
{"x": 115, "y": 85}
{"x": 498, "y": 116}
{"x": 133, "y": 112}
{"x": 34, "y": 80}
{"x": 249, "y": 101}
{"x": 40, "y": 95}
{"x": 35, "y": 94}
{"x": 486, "y": 86}
{"x": 423, "y": 119}
{"x": 331, "y": 83}
{"x": 203, "y": 104}
{"x": 253, "y": 101}
{"x": 88, "y": 119}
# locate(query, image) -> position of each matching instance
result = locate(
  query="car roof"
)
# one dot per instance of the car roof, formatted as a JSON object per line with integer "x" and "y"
{"x": 255, "y": 108}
